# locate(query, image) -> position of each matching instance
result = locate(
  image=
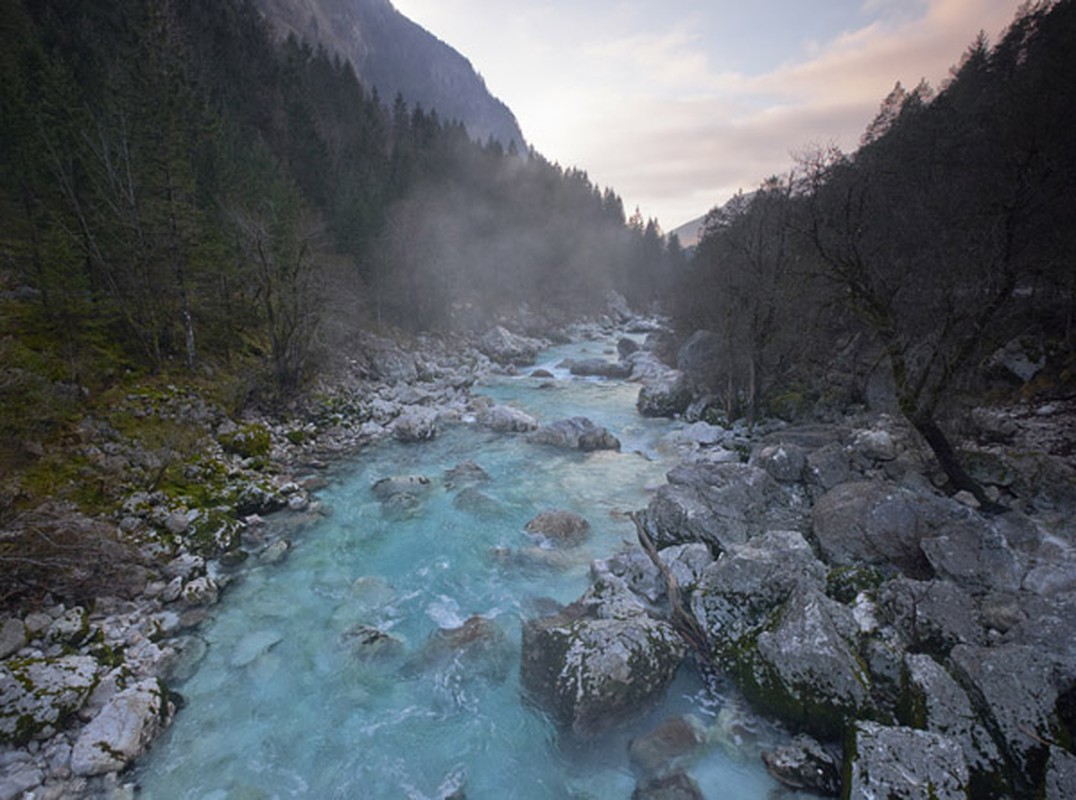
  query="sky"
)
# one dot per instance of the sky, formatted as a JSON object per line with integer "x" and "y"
{"x": 678, "y": 104}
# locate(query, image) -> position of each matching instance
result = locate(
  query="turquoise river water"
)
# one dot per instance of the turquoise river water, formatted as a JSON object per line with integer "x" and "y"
{"x": 281, "y": 706}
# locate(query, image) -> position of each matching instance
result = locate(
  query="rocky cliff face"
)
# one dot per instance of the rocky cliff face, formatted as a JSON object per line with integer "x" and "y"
{"x": 393, "y": 54}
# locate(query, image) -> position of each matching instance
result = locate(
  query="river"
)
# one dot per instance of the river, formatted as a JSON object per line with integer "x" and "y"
{"x": 283, "y": 706}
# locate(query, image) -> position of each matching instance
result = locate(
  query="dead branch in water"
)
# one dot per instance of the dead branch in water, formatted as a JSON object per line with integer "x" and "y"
{"x": 680, "y": 617}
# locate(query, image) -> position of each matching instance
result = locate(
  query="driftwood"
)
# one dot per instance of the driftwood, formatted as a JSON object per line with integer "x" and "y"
{"x": 680, "y": 617}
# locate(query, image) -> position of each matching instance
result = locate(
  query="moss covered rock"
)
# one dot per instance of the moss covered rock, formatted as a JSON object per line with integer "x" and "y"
{"x": 38, "y": 694}
{"x": 249, "y": 441}
{"x": 599, "y": 663}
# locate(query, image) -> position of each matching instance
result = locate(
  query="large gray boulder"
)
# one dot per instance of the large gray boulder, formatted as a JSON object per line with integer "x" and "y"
{"x": 121, "y": 732}
{"x": 672, "y": 745}
{"x": 599, "y": 663}
{"x": 785, "y": 462}
{"x": 1015, "y": 690}
{"x": 701, "y": 359}
{"x": 875, "y": 522}
{"x": 930, "y": 616}
{"x": 507, "y": 348}
{"x": 717, "y": 504}
{"x": 37, "y": 695}
{"x": 803, "y": 667}
{"x": 505, "y": 419}
{"x": 663, "y": 394}
{"x": 415, "y": 426}
{"x": 686, "y": 562}
{"x": 1060, "y": 783}
{"x": 905, "y": 764}
{"x": 389, "y": 362}
{"x": 598, "y": 368}
{"x": 738, "y": 593}
{"x": 12, "y": 637}
{"x": 934, "y": 701}
{"x": 575, "y": 433}
{"x": 976, "y": 556}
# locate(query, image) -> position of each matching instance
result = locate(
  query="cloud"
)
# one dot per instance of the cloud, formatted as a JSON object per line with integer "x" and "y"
{"x": 691, "y": 136}
{"x": 649, "y": 102}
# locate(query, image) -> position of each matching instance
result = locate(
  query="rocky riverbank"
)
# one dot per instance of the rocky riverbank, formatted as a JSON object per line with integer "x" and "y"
{"x": 917, "y": 646}
{"x": 85, "y": 669}
{"x": 834, "y": 584}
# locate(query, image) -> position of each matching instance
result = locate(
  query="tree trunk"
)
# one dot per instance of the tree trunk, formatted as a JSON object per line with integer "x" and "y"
{"x": 950, "y": 463}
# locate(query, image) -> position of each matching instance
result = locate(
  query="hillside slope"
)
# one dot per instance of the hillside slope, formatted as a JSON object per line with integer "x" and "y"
{"x": 395, "y": 55}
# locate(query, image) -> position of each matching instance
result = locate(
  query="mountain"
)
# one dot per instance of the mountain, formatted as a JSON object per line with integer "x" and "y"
{"x": 690, "y": 232}
{"x": 394, "y": 55}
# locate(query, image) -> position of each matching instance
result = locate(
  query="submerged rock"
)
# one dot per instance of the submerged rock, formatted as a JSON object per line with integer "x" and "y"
{"x": 466, "y": 473}
{"x": 560, "y": 527}
{"x": 400, "y": 484}
{"x": 804, "y": 764}
{"x": 369, "y": 643}
{"x": 674, "y": 786}
{"x": 476, "y": 649}
{"x": 668, "y": 747}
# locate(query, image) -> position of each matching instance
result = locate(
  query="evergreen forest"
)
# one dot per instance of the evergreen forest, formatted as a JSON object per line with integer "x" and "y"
{"x": 182, "y": 195}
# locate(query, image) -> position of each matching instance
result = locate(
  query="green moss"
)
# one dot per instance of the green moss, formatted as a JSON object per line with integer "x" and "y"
{"x": 789, "y": 406}
{"x": 250, "y": 441}
{"x": 297, "y": 436}
{"x": 843, "y": 584}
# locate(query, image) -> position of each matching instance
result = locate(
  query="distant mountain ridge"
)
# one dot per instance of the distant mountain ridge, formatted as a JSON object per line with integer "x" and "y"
{"x": 395, "y": 55}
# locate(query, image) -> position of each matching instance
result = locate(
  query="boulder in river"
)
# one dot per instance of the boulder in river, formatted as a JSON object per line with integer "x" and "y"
{"x": 509, "y": 349}
{"x": 600, "y": 662}
{"x": 505, "y": 419}
{"x": 560, "y": 527}
{"x": 804, "y": 764}
{"x": 671, "y": 745}
{"x": 598, "y": 367}
{"x": 478, "y": 648}
{"x": 416, "y": 426}
{"x": 664, "y": 394}
{"x": 677, "y": 785}
{"x": 575, "y": 433}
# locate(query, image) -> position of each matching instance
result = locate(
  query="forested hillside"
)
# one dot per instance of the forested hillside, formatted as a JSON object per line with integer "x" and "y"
{"x": 182, "y": 196}
{"x": 394, "y": 55}
{"x": 912, "y": 262}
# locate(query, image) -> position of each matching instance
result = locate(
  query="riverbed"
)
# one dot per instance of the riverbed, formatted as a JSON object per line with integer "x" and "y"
{"x": 286, "y": 704}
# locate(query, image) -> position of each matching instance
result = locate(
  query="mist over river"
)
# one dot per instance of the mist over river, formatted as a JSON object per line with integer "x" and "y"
{"x": 286, "y": 701}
